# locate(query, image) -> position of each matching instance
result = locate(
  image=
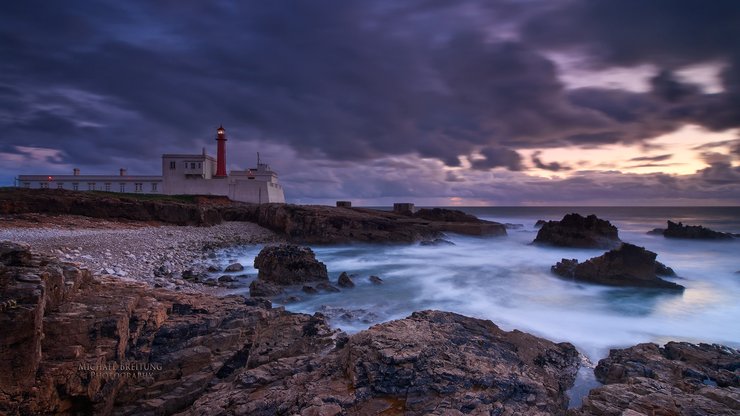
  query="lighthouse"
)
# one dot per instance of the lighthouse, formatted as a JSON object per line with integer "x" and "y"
{"x": 221, "y": 153}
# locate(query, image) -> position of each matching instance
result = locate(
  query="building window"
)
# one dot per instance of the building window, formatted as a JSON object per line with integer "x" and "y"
{"x": 138, "y": 187}
{"x": 107, "y": 187}
{"x": 123, "y": 187}
{"x": 60, "y": 185}
{"x": 76, "y": 186}
{"x": 26, "y": 184}
{"x": 91, "y": 186}
{"x": 44, "y": 185}
{"x": 200, "y": 165}
{"x": 154, "y": 187}
{"x": 173, "y": 165}
{"x": 192, "y": 165}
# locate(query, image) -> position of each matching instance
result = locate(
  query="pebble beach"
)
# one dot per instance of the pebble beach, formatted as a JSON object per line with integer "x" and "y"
{"x": 131, "y": 250}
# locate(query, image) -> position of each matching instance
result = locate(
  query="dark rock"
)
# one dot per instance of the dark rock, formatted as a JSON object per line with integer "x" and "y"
{"x": 629, "y": 265}
{"x": 694, "y": 232}
{"x": 327, "y": 287}
{"x": 431, "y": 363}
{"x": 191, "y": 274}
{"x": 292, "y": 299}
{"x": 234, "y": 267}
{"x": 376, "y": 280}
{"x": 444, "y": 215}
{"x": 678, "y": 379}
{"x": 510, "y": 226}
{"x": 437, "y": 242}
{"x": 309, "y": 289}
{"x": 345, "y": 281}
{"x": 260, "y": 288}
{"x": 344, "y": 315}
{"x": 214, "y": 268}
{"x": 227, "y": 279}
{"x": 162, "y": 271}
{"x": 663, "y": 270}
{"x": 539, "y": 223}
{"x": 259, "y": 302}
{"x": 577, "y": 231}
{"x": 288, "y": 264}
{"x": 656, "y": 231}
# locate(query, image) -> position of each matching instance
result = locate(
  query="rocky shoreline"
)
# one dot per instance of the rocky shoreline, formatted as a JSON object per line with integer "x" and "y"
{"x": 76, "y": 343}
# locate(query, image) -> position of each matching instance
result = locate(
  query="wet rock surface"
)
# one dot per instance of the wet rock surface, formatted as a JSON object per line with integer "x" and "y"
{"x": 345, "y": 281}
{"x": 679, "y": 379}
{"x": 628, "y": 265}
{"x": 575, "y": 230}
{"x": 289, "y": 264}
{"x": 406, "y": 367}
{"x": 694, "y": 232}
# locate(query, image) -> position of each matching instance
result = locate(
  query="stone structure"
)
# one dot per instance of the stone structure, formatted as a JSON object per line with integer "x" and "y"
{"x": 182, "y": 174}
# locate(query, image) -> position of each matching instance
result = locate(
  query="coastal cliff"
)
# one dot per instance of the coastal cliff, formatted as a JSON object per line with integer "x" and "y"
{"x": 300, "y": 223}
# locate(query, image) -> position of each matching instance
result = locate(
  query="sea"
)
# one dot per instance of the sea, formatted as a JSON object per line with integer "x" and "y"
{"x": 508, "y": 280}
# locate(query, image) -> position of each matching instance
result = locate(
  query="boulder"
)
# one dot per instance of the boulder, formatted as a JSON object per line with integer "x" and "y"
{"x": 309, "y": 289}
{"x": 575, "y": 230}
{"x": 375, "y": 280}
{"x": 628, "y": 265}
{"x": 234, "y": 267}
{"x": 679, "y": 379}
{"x": 694, "y": 232}
{"x": 262, "y": 289}
{"x": 289, "y": 264}
{"x": 227, "y": 279}
{"x": 539, "y": 223}
{"x": 345, "y": 281}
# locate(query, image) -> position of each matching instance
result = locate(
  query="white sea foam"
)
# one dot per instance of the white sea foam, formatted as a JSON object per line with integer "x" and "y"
{"x": 507, "y": 280}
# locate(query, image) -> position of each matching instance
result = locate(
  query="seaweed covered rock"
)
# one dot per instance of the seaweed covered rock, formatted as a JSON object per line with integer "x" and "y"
{"x": 289, "y": 264}
{"x": 629, "y": 265}
{"x": 574, "y": 230}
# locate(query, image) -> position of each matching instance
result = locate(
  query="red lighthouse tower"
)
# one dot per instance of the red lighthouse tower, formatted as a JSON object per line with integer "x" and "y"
{"x": 221, "y": 153}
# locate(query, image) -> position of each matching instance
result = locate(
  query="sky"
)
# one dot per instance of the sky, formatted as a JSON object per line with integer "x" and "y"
{"x": 460, "y": 102}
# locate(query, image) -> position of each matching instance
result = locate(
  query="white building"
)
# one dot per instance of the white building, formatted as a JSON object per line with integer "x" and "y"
{"x": 198, "y": 174}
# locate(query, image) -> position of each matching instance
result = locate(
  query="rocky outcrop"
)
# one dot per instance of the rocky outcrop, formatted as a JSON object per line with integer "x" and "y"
{"x": 575, "y": 230}
{"x": 406, "y": 367}
{"x": 182, "y": 210}
{"x": 297, "y": 223}
{"x": 694, "y": 232}
{"x": 679, "y": 379}
{"x": 345, "y": 281}
{"x": 288, "y": 264}
{"x": 329, "y": 225}
{"x": 77, "y": 344}
{"x": 629, "y": 265}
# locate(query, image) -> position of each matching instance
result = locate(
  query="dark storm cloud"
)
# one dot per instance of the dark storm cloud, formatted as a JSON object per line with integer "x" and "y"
{"x": 553, "y": 166}
{"x": 498, "y": 157}
{"x": 352, "y": 81}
